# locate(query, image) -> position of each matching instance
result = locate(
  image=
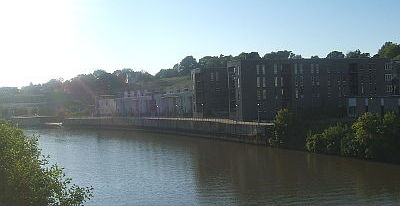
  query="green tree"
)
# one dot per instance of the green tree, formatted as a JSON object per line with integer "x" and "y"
{"x": 26, "y": 177}
{"x": 283, "y": 123}
{"x": 280, "y": 55}
{"x": 391, "y": 137}
{"x": 329, "y": 141}
{"x": 167, "y": 73}
{"x": 187, "y": 65}
{"x": 390, "y": 50}
{"x": 335, "y": 55}
{"x": 368, "y": 135}
{"x": 357, "y": 54}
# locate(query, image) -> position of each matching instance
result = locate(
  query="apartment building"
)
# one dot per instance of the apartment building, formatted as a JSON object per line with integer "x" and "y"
{"x": 210, "y": 89}
{"x": 257, "y": 89}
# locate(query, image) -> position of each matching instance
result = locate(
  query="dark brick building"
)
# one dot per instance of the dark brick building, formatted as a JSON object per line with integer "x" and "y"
{"x": 210, "y": 88}
{"x": 389, "y": 102}
{"x": 377, "y": 104}
{"x": 257, "y": 89}
{"x": 394, "y": 68}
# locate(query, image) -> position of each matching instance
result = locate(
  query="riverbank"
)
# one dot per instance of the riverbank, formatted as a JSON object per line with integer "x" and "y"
{"x": 246, "y": 132}
{"x": 223, "y": 129}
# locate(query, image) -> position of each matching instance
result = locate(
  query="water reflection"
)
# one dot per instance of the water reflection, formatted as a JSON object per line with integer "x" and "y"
{"x": 141, "y": 168}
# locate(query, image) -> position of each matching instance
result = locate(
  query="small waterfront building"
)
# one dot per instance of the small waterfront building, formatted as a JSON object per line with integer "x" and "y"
{"x": 178, "y": 104}
{"x": 106, "y": 105}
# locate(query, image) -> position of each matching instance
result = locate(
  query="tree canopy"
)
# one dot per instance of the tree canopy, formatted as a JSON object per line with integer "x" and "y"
{"x": 390, "y": 50}
{"x": 357, "y": 54}
{"x": 335, "y": 55}
{"x": 280, "y": 55}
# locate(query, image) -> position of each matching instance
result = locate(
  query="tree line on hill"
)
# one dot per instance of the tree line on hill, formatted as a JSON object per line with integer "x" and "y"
{"x": 389, "y": 50}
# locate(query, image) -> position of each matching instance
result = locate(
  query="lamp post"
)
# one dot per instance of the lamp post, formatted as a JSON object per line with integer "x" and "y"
{"x": 202, "y": 110}
{"x": 158, "y": 113}
{"x": 258, "y": 112}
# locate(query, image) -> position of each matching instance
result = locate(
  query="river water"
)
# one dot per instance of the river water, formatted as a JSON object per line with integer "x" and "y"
{"x": 144, "y": 168}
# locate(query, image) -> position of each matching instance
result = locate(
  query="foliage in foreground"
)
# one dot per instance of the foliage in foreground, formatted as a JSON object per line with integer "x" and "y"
{"x": 27, "y": 179}
{"x": 369, "y": 137}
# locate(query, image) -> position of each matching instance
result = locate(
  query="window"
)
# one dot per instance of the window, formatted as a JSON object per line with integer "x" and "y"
{"x": 258, "y": 82}
{"x": 388, "y": 67}
{"x": 263, "y": 69}
{"x": 212, "y": 76}
{"x": 258, "y": 69}
{"x": 264, "y": 94}
{"x": 275, "y": 69}
{"x": 282, "y": 81}
{"x": 264, "y": 82}
{"x": 388, "y": 77}
{"x": 216, "y": 76}
{"x": 276, "y": 81}
{"x": 297, "y": 93}
{"x": 258, "y": 94}
{"x": 301, "y": 68}
{"x": 312, "y": 68}
{"x": 317, "y": 68}
{"x": 295, "y": 68}
{"x": 389, "y": 88}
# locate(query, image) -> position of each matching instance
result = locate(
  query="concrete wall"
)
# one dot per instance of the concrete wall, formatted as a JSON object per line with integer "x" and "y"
{"x": 247, "y": 133}
{"x": 33, "y": 121}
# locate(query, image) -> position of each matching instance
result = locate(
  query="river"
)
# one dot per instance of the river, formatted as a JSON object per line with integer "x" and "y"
{"x": 144, "y": 168}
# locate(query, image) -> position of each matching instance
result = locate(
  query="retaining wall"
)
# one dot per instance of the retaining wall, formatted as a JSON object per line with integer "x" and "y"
{"x": 248, "y": 133}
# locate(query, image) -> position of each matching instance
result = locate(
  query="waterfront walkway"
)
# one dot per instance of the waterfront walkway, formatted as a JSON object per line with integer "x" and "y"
{"x": 226, "y": 121}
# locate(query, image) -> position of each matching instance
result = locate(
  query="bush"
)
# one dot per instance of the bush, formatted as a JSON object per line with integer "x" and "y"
{"x": 27, "y": 179}
{"x": 316, "y": 143}
{"x": 283, "y": 126}
{"x": 369, "y": 137}
{"x": 329, "y": 141}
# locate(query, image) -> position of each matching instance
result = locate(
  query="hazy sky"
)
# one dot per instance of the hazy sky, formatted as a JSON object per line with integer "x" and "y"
{"x": 45, "y": 39}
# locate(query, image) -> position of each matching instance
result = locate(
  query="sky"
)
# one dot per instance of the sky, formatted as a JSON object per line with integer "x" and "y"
{"x": 52, "y": 39}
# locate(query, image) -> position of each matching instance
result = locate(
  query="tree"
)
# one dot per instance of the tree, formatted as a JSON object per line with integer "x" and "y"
{"x": 329, "y": 141}
{"x": 280, "y": 55}
{"x": 283, "y": 123}
{"x": 26, "y": 177}
{"x": 315, "y": 57}
{"x": 167, "y": 73}
{"x": 210, "y": 61}
{"x": 367, "y": 131}
{"x": 186, "y": 65}
{"x": 247, "y": 56}
{"x": 335, "y": 55}
{"x": 390, "y": 51}
{"x": 357, "y": 54}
